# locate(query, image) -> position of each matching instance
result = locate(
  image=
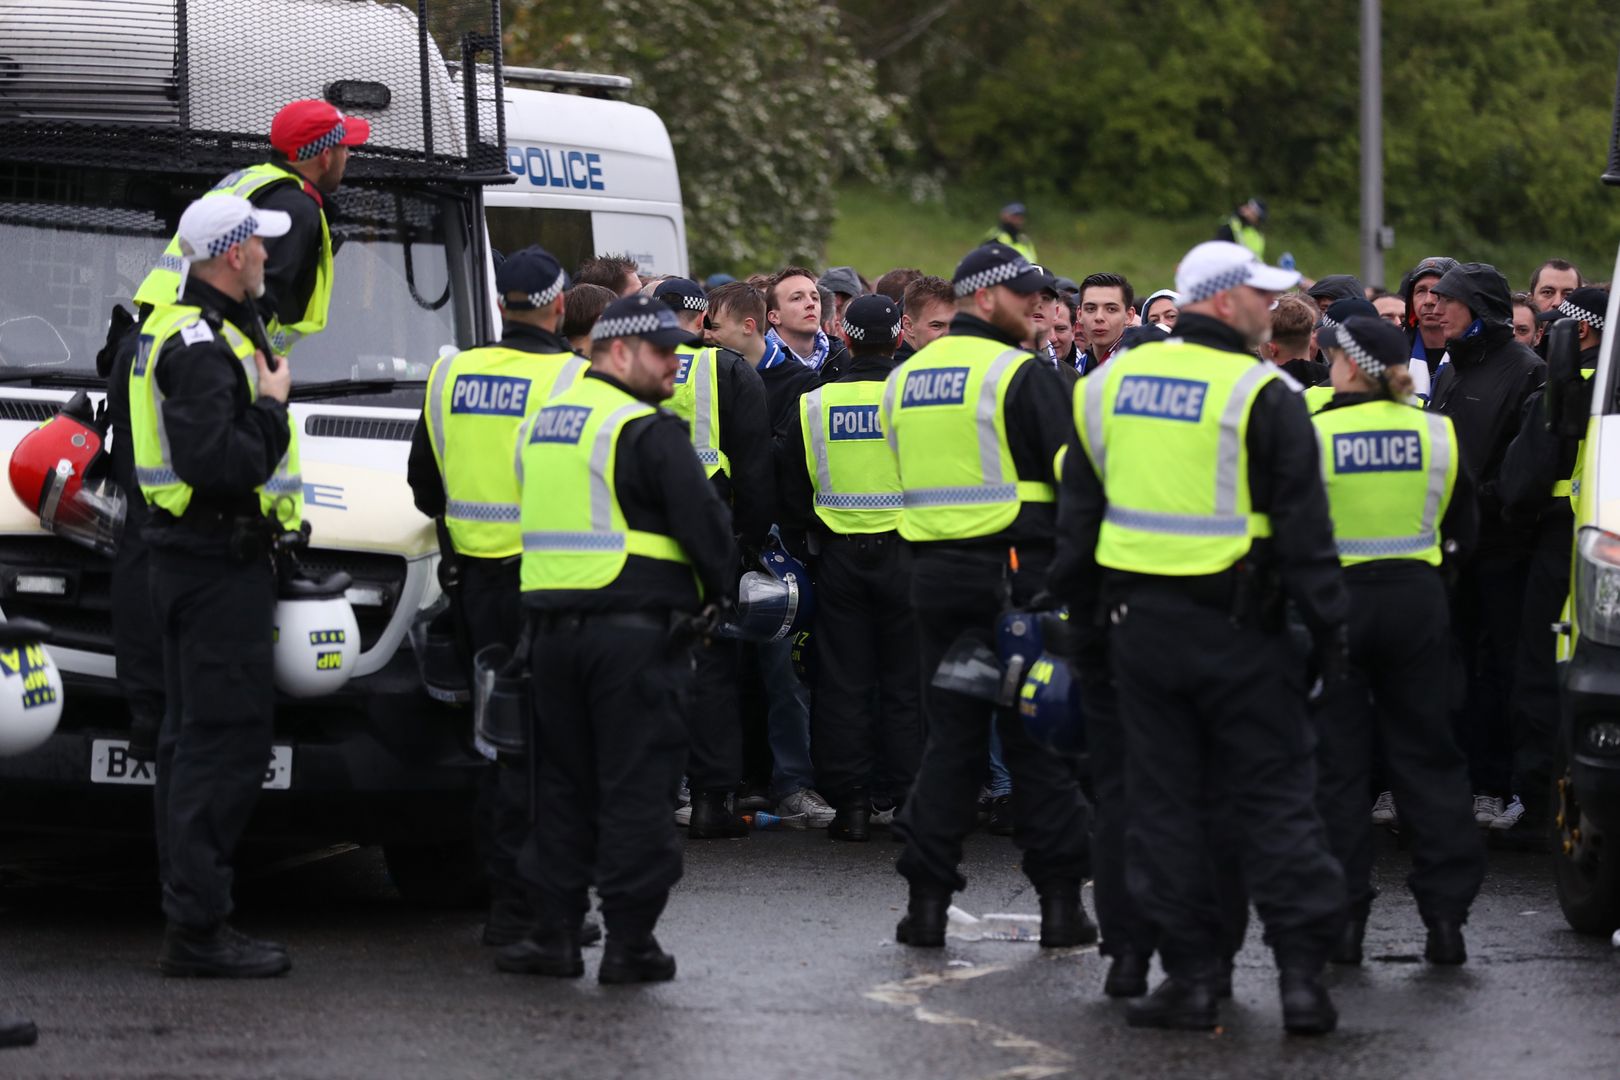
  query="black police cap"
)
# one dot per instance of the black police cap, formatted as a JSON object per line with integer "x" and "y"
{"x": 642, "y": 317}
{"x": 873, "y": 319}
{"x": 681, "y": 294}
{"x": 535, "y": 273}
{"x": 1370, "y": 341}
{"x": 995, "y": 264}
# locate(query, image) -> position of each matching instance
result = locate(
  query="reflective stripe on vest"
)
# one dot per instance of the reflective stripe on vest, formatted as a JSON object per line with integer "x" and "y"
{"x": 853, "y": 473}
{"x": 950, "y": 396}
{"x": 280, "y": 496}
{"x": 1389, "y": 470}
{"x": 696, "y": 397}
{"x": 1165, "y": 428}
{"x": 476, "y": 402}
{"x": 1571, "y": 489}
{"x": 161, "y": 285}
{"x": 574, "y": 534}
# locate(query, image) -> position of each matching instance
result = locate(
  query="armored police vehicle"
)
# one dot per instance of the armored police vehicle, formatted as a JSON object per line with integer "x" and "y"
{"x": 1587, "y": 775}
{"x": 114, "y": 114}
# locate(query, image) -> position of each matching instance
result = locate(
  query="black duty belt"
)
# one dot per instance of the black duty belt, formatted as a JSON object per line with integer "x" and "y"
{"x": 564, "y": 622}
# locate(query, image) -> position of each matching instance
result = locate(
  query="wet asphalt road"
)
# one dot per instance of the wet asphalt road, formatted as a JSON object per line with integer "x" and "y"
{"x": 787, "y": 969}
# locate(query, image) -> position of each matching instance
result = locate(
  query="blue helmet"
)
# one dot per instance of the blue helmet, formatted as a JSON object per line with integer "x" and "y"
{"x": 774, "y": 602}
{"x": 1049, "y": 701}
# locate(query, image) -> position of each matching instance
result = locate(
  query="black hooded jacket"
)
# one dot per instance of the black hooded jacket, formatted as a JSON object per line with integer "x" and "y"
{"x": 1484, "y": 389}
{"x": 1537, "y": 459}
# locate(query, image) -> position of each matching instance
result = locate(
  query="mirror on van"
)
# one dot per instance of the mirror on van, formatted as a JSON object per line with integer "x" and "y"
{"x": 1568, "y": 397}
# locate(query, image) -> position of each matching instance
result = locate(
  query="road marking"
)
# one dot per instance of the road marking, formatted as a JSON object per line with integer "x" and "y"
{"x": 1042, "y": 1061}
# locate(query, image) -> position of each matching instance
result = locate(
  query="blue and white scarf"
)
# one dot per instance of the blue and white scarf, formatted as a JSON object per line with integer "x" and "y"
{"x": 817, "y": 357}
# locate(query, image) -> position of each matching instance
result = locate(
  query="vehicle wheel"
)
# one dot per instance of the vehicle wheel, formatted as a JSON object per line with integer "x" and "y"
{"x": 446, "y": 875}
{"x": 1586, "y": 866}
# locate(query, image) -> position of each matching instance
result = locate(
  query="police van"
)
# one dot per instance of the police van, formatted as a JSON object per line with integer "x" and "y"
{"x": 113, "y": 116}
{"x": 1587, "y": 773}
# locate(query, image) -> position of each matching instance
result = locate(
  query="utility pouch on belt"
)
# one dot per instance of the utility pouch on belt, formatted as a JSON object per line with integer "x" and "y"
{"x": 503, "y": 715}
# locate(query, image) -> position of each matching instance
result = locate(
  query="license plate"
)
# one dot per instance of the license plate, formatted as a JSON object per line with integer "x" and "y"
{"x": 110, "y": 763}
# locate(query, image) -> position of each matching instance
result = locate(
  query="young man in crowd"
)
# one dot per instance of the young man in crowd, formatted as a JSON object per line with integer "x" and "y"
{"x": 1105, "y": 311}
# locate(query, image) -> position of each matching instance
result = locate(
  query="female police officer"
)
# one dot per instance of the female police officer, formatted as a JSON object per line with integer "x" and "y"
{"x": 1401, "y": 501}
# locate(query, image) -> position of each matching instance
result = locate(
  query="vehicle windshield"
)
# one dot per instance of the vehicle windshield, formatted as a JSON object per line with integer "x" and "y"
{"x": 76, "y": 243}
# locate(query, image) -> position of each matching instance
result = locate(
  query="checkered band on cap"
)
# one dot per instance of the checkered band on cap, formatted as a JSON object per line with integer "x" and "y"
{"x": 689, "y": 303}
{"x": 325, "y": 142}
{"x": 1230, "y": 278}
{"x": 857, "y": 333}
{"x": 219, "y": 245}
{"x": 995, "y": 275}
{"x": 627, "y": 326}
{"x": 1580, "y": 314}
{"x": 550, "y": 292}
{"x": 1325, "y": 323}
{"x": 1364, "y": 359}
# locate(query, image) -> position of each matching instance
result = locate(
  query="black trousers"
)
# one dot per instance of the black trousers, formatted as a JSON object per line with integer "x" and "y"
{"x": 1124, "y": 925}
{"x": 491, "y": 611}
{"x": 714, "y": 718}
{"x": 1214, "y": 715}
{"x": 1535, "y": 675}
{"x": 608, "y": 705}
{"x": 959, "y": 592}
{"x": 137, "y": 643}
{"x": 865, "y": 716}
{"x": 1396, "y": 696}
{"x": 1487, "y": 611}
{"x": 216, "y": 618}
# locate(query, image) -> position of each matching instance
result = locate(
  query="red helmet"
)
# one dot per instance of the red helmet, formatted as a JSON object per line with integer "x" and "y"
{"x": 58, "y": 470}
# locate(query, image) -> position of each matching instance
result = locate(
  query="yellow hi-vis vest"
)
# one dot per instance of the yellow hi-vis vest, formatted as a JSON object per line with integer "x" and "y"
{"x": 1247, "y": 235}
{"x": 281, "y": 496}
{"x": 1390, "y": 470}
{"x": 1316, "y": 397}
{"x": 1166, "y": 429}
{"x": 853, "y": 474}
{"x": 697, "y": 401}
{"x": 1571, "y": 488}
{"x": 476, "y": 401}
{"x": 944, "y": 414}
{"x": 574, "y": 532}
{"x": 162, "y": 284}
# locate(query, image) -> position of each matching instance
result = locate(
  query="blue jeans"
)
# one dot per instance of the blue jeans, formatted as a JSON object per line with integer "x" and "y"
{"x": 787, "y": 719}
{"x": 1000, "y": 779}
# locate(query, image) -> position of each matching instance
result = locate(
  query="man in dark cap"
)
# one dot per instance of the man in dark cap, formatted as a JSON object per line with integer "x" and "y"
{"x": 838, "y": 481}
{"x": 624, "y": 540}
{"x": 1336, "y": 287}
{"x": 1423, "y": 319}
{"x": 1010, "y": 231}
{"x": 1483, "y": 388}
{"x": 1536, "y": 483}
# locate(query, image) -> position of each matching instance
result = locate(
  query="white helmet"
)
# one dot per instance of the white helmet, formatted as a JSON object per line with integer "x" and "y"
{"x": 317, "y": 638}
{"x": 30, "y": 688}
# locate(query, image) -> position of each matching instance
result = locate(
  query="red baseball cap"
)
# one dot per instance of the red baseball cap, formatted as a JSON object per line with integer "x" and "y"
{"x": 305, "y": 128}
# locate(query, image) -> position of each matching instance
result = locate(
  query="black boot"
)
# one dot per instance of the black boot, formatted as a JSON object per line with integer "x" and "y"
{"x": 143, "y": 737}
{"x": 15, "y": 1031}
{"x": 1000, "y": 822}
{"x": 1445, "y": 945}
{"x": 552, "y": 949}
{"x": 512, "y": 916}
{"x": 221, "y": 951}
{"x": 1064, "y": 922}
{"x": 1306, "y": 1007}
{"x": 1127, "y": 975}
{"x": 712, "y": 818}
{"x": 633, "y": 961}
{"x": 1186, "y": 1003}
{"x": 924, "y": 923}
{"x": 1223, "y": 978}
{"x": 853, "y": 821}
{"x": 1347, "y": 950}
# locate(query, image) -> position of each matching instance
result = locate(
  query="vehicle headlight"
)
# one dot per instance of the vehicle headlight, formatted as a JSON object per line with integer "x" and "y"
{"x": 1597, "y": 586}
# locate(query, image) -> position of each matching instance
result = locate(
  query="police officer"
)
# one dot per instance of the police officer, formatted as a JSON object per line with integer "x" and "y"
{"x": 976, "y": 426}
{"x": 621, "y": 529}
{"x": 461, "y": 471}
{"x": 839, "y": 479}
{"x": 1400, "y": 500}
{"x": 311, "y": 141}
{"x": 1200, "y": 494}
{"x": 216, "y": 455}
{"x": 722, "y": 399}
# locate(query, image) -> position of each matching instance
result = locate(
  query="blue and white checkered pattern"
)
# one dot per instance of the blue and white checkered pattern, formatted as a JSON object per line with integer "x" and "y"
{"x": 995, "y": 275}
{"x": 325, "y": 142}
{"x": 1364, "y": 359}
{"x": 219, "y": 245}
{"x": 1229, "y": 278}
{"x": 856, "y": 333}
{"x": 631, "y": 325}
{"x": 550, "y": 292}
{"x": 1580, "y": 314}
{"x": 689, "y": 303}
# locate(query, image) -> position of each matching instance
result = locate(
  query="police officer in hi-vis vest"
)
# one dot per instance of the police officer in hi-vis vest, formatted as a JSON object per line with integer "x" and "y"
{"x": 977, "y": 427}
{"x": 310, "y": 143}
{"x": 461, "y": 471}
{"x": 1402, "y": 503}
{"x": 216, "y": 456}
{"x": 624, "y": 540}
{"x": 722, "y": 399}
{"x": 839, "y": 480}
{"x": 1200, "y": 495}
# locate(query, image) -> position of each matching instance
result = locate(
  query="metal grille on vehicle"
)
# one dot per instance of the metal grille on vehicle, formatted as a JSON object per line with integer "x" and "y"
{"x": 333, "y": 426}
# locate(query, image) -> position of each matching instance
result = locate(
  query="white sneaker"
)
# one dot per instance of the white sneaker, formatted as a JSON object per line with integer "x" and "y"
{"x": 1383, "y": 811}
{"x": 805, "y": 801}
{"x": 683, "y": 812}
{"x": 1509, "y": 816}
{"x": 1487, "y": 808}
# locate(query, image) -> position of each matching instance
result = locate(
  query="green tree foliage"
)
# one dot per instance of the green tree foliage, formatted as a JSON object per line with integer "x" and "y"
{"x": 1496, "y": 111}
{"x": 767, "y": 106}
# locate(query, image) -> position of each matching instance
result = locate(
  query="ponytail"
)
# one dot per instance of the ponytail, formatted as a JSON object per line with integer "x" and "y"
{"x": 1398, "y": 383}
